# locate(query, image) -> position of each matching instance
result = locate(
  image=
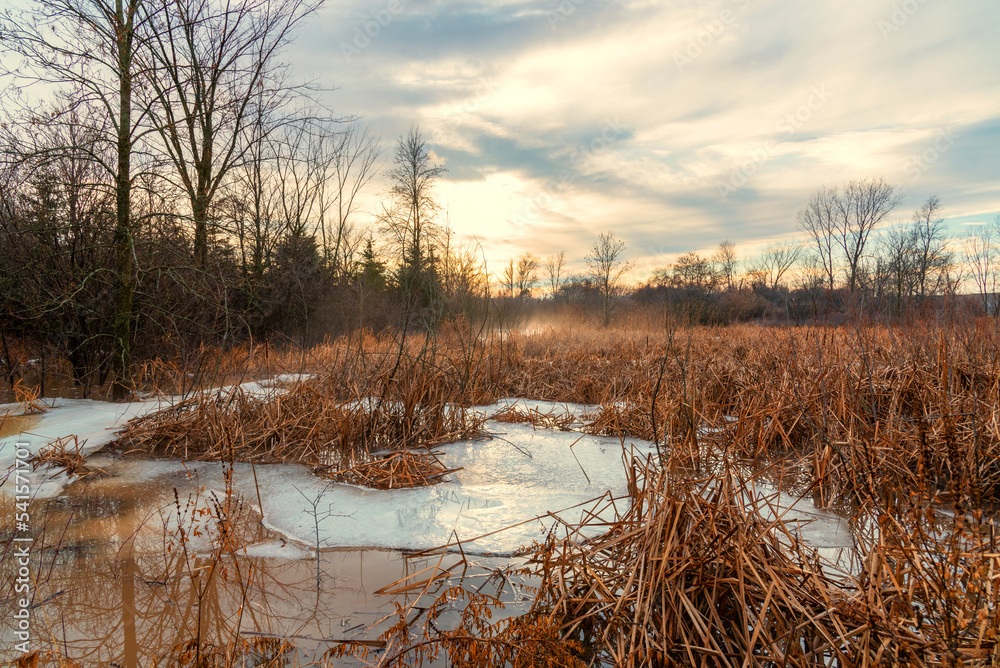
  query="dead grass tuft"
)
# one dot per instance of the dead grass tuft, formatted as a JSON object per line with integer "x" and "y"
{"x": 400, "y": 470}
{"x": 554, "y": 419}
{"x": 29, "y": 398}
{"x": 57, "y": 454}
{"x": 305, "y": 425}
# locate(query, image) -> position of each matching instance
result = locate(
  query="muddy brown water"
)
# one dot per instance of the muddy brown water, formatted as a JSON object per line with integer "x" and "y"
{"x": 12, "y": 425}
{"x": 114, "y": 585}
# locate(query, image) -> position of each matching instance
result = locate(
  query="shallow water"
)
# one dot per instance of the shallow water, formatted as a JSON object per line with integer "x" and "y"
{"x": 127, "y": 561}
{"x": 15, "y": 425}
{"x": 112, "y": 583}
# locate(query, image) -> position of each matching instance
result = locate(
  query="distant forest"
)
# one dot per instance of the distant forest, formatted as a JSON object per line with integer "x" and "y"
{"x": 166, "y": 185}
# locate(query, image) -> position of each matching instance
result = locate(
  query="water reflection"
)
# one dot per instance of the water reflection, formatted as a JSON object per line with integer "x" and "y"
{"x": 115, "y": 584}
{"x": 14, "y": 425}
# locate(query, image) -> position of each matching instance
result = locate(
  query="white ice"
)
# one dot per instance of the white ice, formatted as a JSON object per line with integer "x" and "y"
{"x": 94, "y": 424}
{"x": 517, "y": 478}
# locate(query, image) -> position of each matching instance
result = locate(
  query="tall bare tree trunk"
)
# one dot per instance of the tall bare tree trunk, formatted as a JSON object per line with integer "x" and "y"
{"x": 218, "y": 69}
{"x": 199, "y": 211}
{"x": 124, "y": 240}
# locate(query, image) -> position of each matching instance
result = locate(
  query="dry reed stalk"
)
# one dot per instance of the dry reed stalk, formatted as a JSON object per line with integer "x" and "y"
{"x": 553, "y": 419}
{"x": 28, "y": 398}
{"x": 400, "y": 470}
{"x": 58, "y": 455}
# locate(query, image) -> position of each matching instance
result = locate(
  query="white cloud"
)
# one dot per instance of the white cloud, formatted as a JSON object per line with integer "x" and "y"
{"x": 543, "y": 91}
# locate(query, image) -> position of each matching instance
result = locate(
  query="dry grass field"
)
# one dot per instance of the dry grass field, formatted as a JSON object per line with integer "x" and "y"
{"x": 898, "y": 428}
{"x": 859, "y": 413}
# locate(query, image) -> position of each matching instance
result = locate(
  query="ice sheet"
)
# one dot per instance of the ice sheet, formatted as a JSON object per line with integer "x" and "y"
{"x": 517, "y": 478}
{"x": 94, "y": 423}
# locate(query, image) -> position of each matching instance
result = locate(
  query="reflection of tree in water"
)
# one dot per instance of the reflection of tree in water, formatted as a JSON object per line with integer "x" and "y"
{"x": 116, "y": 583}
{"x": 119, "y": 583}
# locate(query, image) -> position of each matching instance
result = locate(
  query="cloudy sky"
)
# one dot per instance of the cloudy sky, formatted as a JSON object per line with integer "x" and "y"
{"x": 677, "y": 124}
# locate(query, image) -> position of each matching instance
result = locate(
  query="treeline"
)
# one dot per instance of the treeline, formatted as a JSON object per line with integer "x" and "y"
{"x": 850, "y": 262}
{"x": 166, "y": 185}
{"x": 277, "y": 265}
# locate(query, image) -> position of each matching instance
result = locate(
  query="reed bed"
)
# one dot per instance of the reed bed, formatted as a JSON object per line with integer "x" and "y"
{"x": 898, "y": 426}
{"x": 403, "y": 469}
{"x": 706, "y": 572}
{"x": 305, "y": 425}
{"x": 863, "y": 411}
{"x": 860, "y": 411}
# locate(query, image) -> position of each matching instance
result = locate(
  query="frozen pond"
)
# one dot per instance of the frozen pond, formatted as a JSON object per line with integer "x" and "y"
{"x": 497, "y": 503}
{"x": 321, "y": 548}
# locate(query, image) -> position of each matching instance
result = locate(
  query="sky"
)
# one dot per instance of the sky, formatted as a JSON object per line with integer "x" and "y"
{"x": 675, "y": 124}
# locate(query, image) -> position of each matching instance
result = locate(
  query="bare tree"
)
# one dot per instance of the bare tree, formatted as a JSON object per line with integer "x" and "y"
{"x": 914, "y": 261}
{"x": 303, "y": 179}
{"x": 606, "y": 266}
{"x": 89, "y": 50}
{"x": 410, "y": 216}
{"x": 302, "y": 163}
{"x": 356, "y": 161}
{"x": 527, "y": 274}
{"x": 251, "y": 207}
{"x": 931, "y": 257}
{"x": 811, "y": 281}
{"x": 860, "y": 208}
{"x": 463, "y": 271}
{"x": 895, "y": 264}
{"x": 817, "y": 220}
{"x": 844, "y": 219}
{"x": 692, "y": 272}
{"x": 271, "y": 205}
{"x": 554, "y": 265}
{"x": 771, "y": 265}
{"x": 952, "y": 281}
{"x": 725, "y": 258}
{"x": 216, "y": 73}
{"x": 981, "y": 253}
{"x": 508, "y": 279}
